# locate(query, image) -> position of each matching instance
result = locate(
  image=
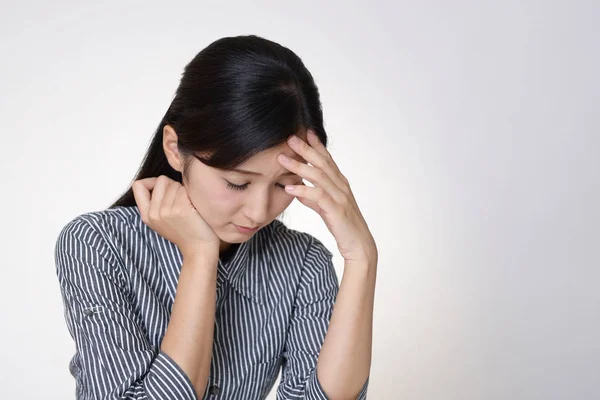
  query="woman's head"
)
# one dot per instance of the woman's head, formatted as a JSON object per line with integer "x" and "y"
{"x": 238, "y": 101}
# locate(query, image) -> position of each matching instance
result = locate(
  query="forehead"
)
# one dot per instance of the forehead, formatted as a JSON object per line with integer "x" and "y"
{"x": 270, "y": 155}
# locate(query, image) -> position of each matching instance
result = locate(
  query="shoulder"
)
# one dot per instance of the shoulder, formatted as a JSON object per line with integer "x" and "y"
{"x": 107, "y": 220}
{"x": 100, "y": 233}
{"x": 297, "y": 244}
{"x": 303, "y": 260}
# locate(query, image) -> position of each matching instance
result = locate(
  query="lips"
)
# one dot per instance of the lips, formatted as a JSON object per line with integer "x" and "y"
{"x": 248, "y": 228}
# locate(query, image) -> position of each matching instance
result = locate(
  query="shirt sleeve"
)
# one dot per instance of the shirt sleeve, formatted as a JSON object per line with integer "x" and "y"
{"x": 115, "y": 359}
{"x": 315, "y": 298}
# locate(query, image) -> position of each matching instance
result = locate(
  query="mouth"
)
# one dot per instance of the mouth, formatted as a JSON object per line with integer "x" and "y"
{"x": 245, "y": 228}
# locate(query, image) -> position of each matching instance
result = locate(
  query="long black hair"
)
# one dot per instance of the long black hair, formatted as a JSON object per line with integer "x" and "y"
{"x": 237, "y": 97}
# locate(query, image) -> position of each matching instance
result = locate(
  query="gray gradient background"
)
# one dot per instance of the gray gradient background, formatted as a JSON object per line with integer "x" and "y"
{"x": 469, "y": 131}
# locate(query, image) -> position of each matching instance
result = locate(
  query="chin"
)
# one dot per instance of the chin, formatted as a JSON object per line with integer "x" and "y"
{"x": 230, "y": 234}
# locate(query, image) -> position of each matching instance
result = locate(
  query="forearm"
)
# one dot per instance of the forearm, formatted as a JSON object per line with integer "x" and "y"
{"x": 345, "y": 358}
{"x": 189, "y": 336}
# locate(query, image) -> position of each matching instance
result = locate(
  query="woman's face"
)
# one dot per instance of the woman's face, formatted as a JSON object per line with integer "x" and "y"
{"x": 250, "y": 199}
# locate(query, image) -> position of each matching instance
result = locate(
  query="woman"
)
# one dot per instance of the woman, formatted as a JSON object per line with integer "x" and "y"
{"x": 188, "y": 287}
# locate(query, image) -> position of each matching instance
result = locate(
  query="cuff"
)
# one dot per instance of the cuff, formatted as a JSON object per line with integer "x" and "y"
{"x": 314, "y": 390}
{"x": 166, "y": 380}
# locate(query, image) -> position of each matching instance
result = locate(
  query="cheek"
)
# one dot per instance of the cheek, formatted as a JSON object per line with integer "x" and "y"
{"x": 222, "y": 199}
{"x": 282, "y": 202}
{"x": 214, "y": 201}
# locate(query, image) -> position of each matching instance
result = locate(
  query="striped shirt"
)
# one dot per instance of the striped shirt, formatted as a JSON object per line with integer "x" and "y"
{"x": 118, "y": 279}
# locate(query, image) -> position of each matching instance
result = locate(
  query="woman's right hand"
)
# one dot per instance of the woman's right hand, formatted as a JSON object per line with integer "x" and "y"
{"x": 165, "y": 207}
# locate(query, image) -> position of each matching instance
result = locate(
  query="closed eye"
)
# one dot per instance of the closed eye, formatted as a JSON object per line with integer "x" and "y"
{"x": 233, "y": 186}
{"x": 236, "y": 187}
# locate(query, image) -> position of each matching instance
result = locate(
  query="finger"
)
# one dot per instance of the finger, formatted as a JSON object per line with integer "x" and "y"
{"x": 310, "y": 204}
{"x": 307, "y": 152}
{"x": 313, "y": 175}
{"x": 181, "y": 197}
{"x": 169, "y": 199}
{"x": 314, "y": 197}
{"x": 162, "y": 184}
{"x": 321, "y": 160}
{"x": 316, "y": 143}
{"x": 182, "y": 200}
{"x": 141, "y": 193}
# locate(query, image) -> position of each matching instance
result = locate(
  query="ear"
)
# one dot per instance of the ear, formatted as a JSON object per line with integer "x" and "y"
{"x": 172, "y": 153}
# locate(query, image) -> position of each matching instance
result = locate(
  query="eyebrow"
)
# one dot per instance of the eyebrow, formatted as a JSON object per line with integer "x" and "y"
{"x": 243, "y": 171}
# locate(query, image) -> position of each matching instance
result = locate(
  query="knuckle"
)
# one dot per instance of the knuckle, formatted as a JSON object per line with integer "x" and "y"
{"x": 153, "y": 216}
{"x": 163, "y": 179}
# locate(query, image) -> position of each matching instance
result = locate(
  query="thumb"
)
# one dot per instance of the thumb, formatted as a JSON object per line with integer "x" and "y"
{"x": 141, "y": 192}
{"x": 310, "y": 204}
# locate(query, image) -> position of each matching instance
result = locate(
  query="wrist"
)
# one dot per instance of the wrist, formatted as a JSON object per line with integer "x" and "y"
{"x": 368, "y": 255}
{"x": 200, "y": 254}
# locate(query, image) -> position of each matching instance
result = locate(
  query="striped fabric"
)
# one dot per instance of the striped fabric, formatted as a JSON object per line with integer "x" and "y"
{"x": 118, "y": 277}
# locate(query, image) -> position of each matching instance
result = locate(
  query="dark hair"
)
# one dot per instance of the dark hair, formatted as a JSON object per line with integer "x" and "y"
{"x": 238, "y": 96}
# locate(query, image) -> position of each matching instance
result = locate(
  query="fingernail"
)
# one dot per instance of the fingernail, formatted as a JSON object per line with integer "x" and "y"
{"x": 284, "y": 158}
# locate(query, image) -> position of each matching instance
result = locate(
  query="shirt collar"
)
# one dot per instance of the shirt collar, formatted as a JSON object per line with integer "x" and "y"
{"x": 245, "y": 270}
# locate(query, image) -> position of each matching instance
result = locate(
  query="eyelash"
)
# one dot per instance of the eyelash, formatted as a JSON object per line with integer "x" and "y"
{"x": 245, "y": 186}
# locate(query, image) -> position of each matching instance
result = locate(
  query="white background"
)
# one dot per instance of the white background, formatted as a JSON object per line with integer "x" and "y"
{"x": 470, "y": 133}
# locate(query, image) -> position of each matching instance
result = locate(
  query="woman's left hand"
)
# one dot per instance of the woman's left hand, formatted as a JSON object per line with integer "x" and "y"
{"x": 330, "y": 197}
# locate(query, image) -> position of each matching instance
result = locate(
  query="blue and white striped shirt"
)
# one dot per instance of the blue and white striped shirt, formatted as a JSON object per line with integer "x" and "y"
{"x": 118, "y": 278}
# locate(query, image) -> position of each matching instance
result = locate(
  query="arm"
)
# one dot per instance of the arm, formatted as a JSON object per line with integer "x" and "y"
{"x": 116, "y": 359}
{"x": 344, "y": 358}
{"x": 189, "y": 336}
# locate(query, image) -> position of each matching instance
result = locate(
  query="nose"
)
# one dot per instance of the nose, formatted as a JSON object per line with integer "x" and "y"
{"x": 257, "y": 208}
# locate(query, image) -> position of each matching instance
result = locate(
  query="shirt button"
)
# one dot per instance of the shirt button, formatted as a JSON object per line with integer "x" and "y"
{"x": 214, "y": 390}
